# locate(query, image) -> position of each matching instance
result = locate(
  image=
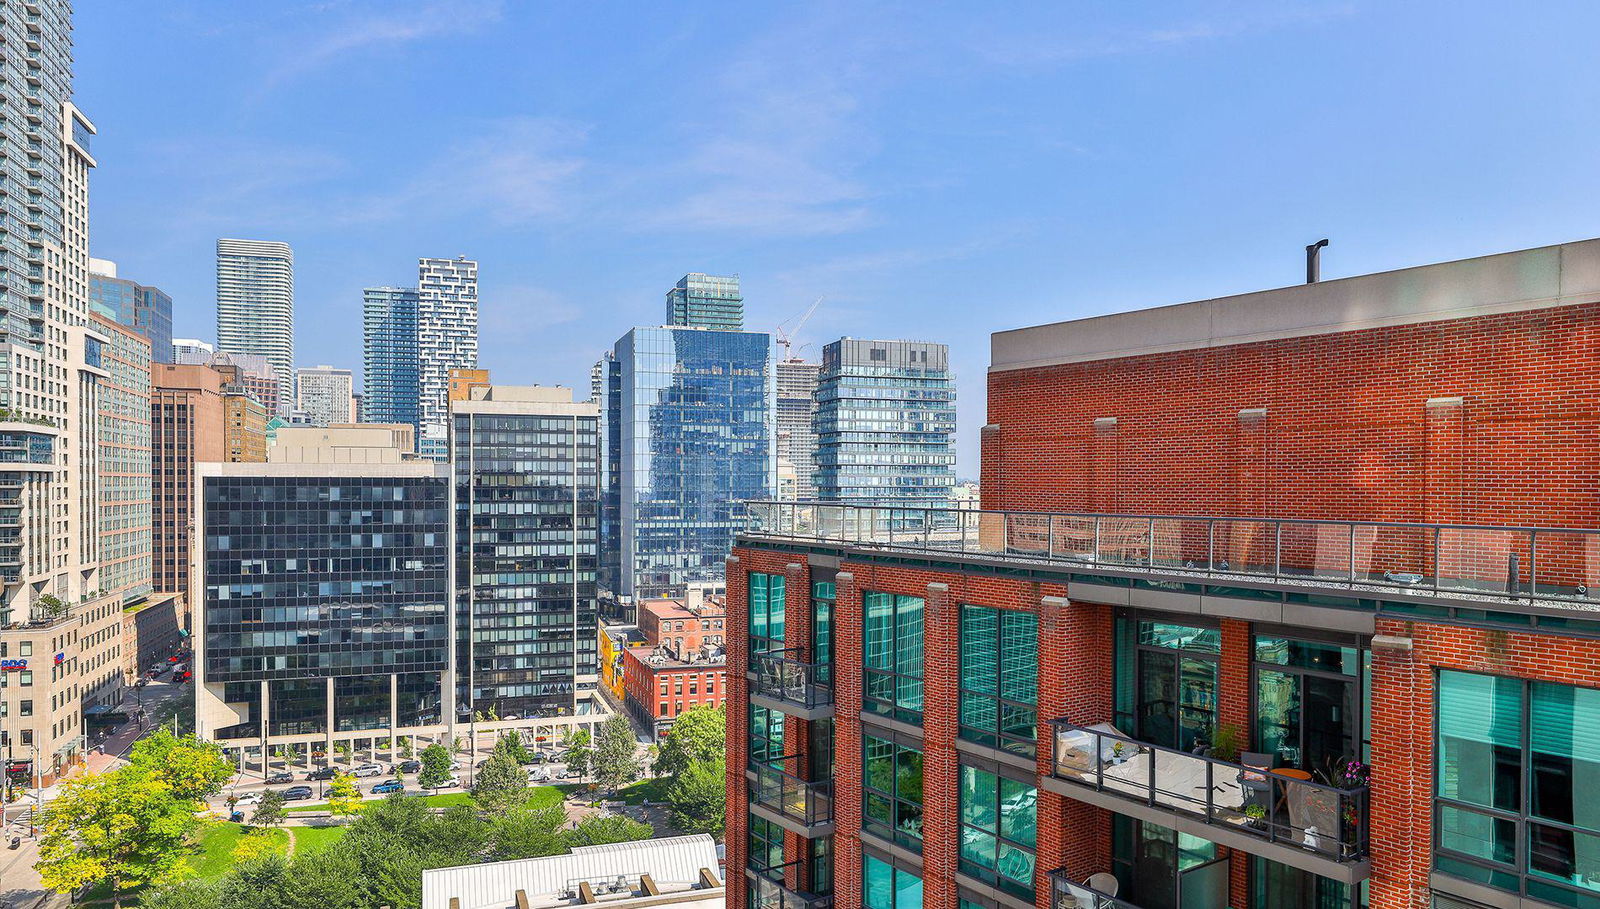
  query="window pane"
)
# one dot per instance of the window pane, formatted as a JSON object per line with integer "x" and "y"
{"x": 979, "y": 796}
{"x": 879, "y": 765}
{"x": 878, "y": 641}
{"x": 1019, "y": 657}
{"x": 1573, "y": 858}
{"x": 908, "y": 637}
{"x": 1018, "y": 812}
{"x": 1565, "y": 738}
{"x": 879, "y": 889}
{"x": 1480, "y": 739}
{"x": 1016, "y": 864}
{"x": 978, "y": 848}
{"x": 907, "y": 890}
{"x": 1477, "y": 835}
{"x": 775, "y": 606}
{"x": 980, "y": 648}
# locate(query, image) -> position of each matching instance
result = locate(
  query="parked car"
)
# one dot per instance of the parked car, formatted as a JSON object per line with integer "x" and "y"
{"x": 539, "y": 757}
{"x": 409, "y": 767}
{"x": 388, "y": 786}
{"x": 237, "y": 817}
{"x": 538, "y": 774}
{"x": 248, "y": 799}
{"x": 295, "y": 793}
{"x": 366, "y": 770}
{"x": 282, "y": 776}
{"x": 450, "y": 782}
{"x": 321, "y": 773}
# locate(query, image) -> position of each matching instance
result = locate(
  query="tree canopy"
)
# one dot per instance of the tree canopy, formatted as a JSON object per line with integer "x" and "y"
{"x": 698, "y": 798}
{"x": 616, "y": 754}
{"x": 698, "y": 734}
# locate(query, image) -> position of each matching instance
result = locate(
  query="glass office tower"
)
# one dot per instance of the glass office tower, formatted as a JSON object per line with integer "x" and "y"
{"x": 324, "y": 603}
{"x": 147, "y": 310}
{"x": 707, "y": 301}
{"x": 689, "y": 416}
{"x": 886, "y": 424}
{"x": 389, "y": 355}
{"x": 525, "y": 461}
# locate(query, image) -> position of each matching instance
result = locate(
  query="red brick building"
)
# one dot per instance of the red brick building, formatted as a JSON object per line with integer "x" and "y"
{"x": 1280, "y": 600}
{"x": 683, "y": 663}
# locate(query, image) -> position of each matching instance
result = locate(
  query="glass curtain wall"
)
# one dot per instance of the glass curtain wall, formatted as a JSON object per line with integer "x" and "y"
{"x": 1000, "y": 678}
{"x": 892, "y": 650}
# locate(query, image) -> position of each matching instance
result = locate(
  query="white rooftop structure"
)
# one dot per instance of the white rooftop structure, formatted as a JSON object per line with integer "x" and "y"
{"x": 679, "y": 871}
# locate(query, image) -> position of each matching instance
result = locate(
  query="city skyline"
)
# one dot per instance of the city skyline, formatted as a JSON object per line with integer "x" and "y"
{"x": 1110, "y": 171}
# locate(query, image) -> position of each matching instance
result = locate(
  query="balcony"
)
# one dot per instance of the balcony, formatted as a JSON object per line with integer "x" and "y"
{"x": 768, "y": 890}
{"x": 1281, "y": 814}
{"x": 800, "y": 806}
{"x": 1068, "y": 894}
{"x": 1482, "y": 564}
{"x": 779, "y": 682}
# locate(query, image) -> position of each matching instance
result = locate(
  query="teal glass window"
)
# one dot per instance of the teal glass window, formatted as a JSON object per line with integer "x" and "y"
{"x": 888, "y": 887}
{"x": 766, "y": 612}
{"x": 766, "y": 736}
{"x": 891, "y": 797}
{"x": 823, "y": 597}
{"x": 1516, "y": 764}
{"x": 766, "y": 843}
{"x": 999, "y": 820}
{"x": 1000, "y": 678}
{"x": 892, "y": 652}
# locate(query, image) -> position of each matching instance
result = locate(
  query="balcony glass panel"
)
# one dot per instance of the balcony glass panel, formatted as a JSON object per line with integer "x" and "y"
{"x": 1281, "y": 805}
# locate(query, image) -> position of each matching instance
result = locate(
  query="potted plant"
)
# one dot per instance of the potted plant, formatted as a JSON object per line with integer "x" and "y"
{"x": 1226, "y": 742}
{"x": 1118, "y": 754}
{"x": 1256, "y": 815}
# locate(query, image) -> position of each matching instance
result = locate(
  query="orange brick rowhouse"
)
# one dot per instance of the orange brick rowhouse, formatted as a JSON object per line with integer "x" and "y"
{"x": 1289, "y": 599}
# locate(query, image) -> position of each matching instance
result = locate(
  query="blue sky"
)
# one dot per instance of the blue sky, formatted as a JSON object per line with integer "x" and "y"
{"x": 935, "y": 171}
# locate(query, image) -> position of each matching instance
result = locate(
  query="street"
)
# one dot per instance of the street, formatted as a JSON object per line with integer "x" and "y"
{"x": 19, "y": 883}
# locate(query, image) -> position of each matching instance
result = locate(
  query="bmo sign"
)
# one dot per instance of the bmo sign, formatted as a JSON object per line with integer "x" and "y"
{"x": 13, "y": 665}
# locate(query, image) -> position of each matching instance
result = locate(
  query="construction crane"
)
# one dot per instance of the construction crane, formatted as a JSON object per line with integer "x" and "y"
{"x": 786, "y": 338}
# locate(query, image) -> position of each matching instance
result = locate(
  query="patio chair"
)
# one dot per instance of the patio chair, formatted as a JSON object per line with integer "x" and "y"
{"x": 1254, "y": 779}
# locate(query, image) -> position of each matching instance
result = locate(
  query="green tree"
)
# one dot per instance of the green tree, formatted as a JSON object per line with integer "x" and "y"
{"x": 698, "y": 799}
{"x": 435, "y": 766}
{"x": 501, "y": 784}
{"x": 344, "y": 796}
{"x": 698, "y": 734}
{"x": 528, "y": 833}
{"x": 195, "y": 770}
{"x": 190, "y": 894}
{"x": 511, "y": 743}
{"x": 327, "y": 879}
{"x": 127, "y": 828}
{"x": 406, "y": 751}
{"x": 597, "y": 830}
{"x": 271, "y": 811}
{"x": 616, "y": 754}
{"x": 579, "y": 751}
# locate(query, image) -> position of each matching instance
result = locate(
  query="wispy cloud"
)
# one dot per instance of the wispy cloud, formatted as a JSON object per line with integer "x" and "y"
{"x": 341, "y": 29}
{"x": 787, "y": 130}
{"x": 1057, "y": 42}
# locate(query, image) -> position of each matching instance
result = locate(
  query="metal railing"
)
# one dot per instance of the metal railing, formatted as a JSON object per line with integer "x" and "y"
{"x": 1065, "y": 893}
{"x": 768, "y": 890}
{"x": 808, "y": 801}
{"x": 1279, "y": 805}
{"x": 1561, "y": 566}
{"x": 786, "y": 679}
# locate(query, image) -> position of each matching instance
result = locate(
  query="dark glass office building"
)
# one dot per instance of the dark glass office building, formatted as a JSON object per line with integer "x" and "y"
{"x": 323, "y": 601}
{"x": 689, "y": 416}
{"x": 525, "y": 461}
{"x": 147, "y": 310}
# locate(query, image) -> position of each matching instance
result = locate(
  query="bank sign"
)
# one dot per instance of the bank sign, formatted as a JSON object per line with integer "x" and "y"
{"x": 13, "y": 665}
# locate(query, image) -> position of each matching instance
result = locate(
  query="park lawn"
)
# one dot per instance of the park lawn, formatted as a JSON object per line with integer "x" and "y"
{"x": 653, "y": 790}
{"x": 214, "y": 855}
{"x": 315, "y": 839}
{"x": 538, "y": 797}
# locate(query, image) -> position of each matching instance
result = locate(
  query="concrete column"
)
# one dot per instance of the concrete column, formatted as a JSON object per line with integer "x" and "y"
{"x": 394, "y": 707}
{"x": 330, "y": 719}
{"x": 266, "y": 724}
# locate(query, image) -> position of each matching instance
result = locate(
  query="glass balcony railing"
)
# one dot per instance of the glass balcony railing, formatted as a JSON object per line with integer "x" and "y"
{"x": 1463, "y": 561}
{"x": 1066, "y": 893}
{"x": 1278, "y": 805}
{"x": 768, "y": 890}
{"x": 809, "y": 802}
{"x": 782, "y": 678}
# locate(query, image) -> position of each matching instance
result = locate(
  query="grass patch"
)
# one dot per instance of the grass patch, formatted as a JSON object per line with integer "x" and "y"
{"x": 315, "y": 839}
{"x": 538, "y": 797}
{"x": 214, "y": 852}
{"x": 654, "y": 790}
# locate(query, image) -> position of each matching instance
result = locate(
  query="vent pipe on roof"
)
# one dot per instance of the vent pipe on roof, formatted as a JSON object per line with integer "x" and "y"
{"x": 1314, "y": 261}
